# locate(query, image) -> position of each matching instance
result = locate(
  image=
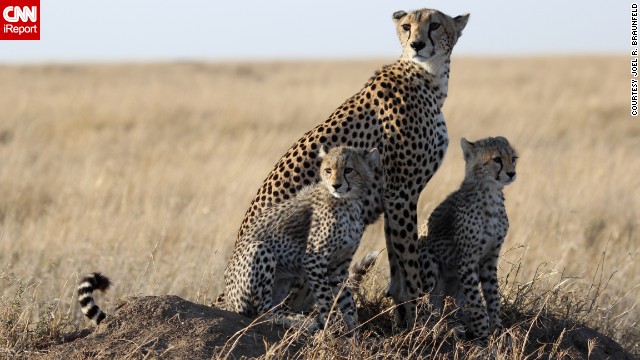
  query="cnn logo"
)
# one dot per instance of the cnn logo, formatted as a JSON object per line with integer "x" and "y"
{"x": 20, "y": 20}
{"x": 16, "y": 13}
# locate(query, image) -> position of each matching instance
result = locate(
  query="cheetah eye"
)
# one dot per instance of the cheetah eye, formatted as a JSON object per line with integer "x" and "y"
{"x": 434, "y": 26}
{"x": 348, "y": 170}
{"x": 513, "y": 159}
{"x": 497, "y": 159}
{"x": 406, "y": 27}
{"x": 327, "y": 171}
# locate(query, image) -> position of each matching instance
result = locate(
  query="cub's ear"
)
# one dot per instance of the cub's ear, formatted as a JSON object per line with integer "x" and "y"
{"x": 460, "y": 22}
{"x": 398, "y": 15}
{"x": 373, "y": 157}
{"x": 467, "y": 148}
{"x": 323, "y": 151}
{"x": 503, "y": 139}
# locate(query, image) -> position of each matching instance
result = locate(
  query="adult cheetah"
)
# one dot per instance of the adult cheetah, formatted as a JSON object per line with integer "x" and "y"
{"x": 298, "y": 251}
{"x": 398, "y": 112}
{"x": 465, "y": 234}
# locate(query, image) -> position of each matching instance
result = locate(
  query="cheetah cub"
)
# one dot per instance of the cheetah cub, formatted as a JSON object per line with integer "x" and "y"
{"x": 298, "y": 252}
{"x": 465, "y": 233}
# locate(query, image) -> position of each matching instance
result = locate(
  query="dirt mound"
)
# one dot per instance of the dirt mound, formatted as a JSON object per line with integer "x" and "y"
{"x": 580, "y": 341}
{"x": 169, "y": 327}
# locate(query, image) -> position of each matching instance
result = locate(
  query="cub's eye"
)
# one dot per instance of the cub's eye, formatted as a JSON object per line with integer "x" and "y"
{"x": 348, "y": 170}
{"x": 513, "y": 159}
{"x": 498, "y": 159}
{"x": 406, "y": 27}
{"x": 327, "y": 171}
{"x": 434, "y": 26}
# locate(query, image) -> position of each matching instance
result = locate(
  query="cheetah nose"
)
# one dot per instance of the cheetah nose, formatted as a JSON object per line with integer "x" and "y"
{"x": 418, "y": 45}
{"x": 336, "y": 186}
{"x": 511, "y": 174}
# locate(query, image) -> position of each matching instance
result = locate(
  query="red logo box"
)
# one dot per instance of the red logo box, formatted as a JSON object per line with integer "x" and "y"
{"x": 19, "y": 19}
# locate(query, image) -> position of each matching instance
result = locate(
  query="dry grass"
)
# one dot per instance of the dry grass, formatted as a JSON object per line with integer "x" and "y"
{"x": 144, "y": 172}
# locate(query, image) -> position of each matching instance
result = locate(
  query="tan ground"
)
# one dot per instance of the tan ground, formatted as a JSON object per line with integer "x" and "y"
{"x": 144, "y": 171}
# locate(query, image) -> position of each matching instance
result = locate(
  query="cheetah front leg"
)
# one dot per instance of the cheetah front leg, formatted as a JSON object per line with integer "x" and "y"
{"x": 315, "y": 266}
{"x": 401, "y": 235}
{"x": 489, "y": 280}
{"x": 345, "y": 300}
{"x": 474, "y": 309}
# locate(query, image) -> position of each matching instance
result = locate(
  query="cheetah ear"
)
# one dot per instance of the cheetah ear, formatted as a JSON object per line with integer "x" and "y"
{"x": 467, "y": 148}
{"x": 503, "y": 139}
{"x": 323, "y": 151}
{"x": 398, "y": 15}
{"x": 460, "y": 22}
{"x": 373, "y": 157}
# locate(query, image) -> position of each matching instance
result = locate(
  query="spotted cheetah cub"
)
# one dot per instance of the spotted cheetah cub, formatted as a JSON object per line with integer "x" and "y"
{"x": 465, "y": 233}
{"x": 298, "y": 252}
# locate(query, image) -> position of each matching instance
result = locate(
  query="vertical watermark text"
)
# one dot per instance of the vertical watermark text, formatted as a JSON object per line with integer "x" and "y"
{"x": 634, "y": 59}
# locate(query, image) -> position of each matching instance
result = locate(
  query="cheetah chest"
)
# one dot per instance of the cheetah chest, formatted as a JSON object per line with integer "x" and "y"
{"x": 341, "y": 229}
{"x": 494, "y": 226}
{"x": 427, "y": 132}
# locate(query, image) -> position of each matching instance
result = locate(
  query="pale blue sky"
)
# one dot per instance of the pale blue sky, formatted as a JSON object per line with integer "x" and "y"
{"x": 141, "y": 30}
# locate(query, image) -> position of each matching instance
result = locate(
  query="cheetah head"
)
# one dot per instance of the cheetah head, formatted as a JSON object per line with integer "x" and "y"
{"x": 490, "y": 159}
{"x": 428, "y": 36}
{"x": 347, "y": 172}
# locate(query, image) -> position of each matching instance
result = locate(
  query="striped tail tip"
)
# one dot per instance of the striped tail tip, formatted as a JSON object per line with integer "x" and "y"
{"x": 88, "y": 284}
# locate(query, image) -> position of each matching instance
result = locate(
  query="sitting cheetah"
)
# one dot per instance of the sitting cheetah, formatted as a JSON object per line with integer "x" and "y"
{"x": 304, "y": 246}
{"x": 398, "y": 112}
{"x": 465, "y": 233}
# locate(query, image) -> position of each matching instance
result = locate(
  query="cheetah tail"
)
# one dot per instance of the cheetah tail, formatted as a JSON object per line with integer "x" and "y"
{"x": 91, "y": 282}
{"x": 359, "y": 269}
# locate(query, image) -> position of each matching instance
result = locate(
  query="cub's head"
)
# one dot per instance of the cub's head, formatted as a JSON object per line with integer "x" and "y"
{"x": 347, "y": 172}
{"x": 428, "y": 36}
{"x": 490, "y": 159}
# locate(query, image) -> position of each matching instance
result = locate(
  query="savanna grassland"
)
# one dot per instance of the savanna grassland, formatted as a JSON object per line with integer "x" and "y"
{"x": 144, "y": 171}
